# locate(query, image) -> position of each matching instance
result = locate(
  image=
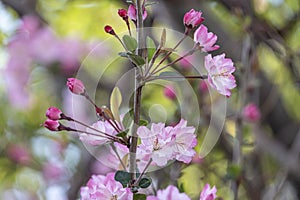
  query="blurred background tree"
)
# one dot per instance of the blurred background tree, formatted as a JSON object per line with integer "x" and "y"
{"x": 44, "y": 42}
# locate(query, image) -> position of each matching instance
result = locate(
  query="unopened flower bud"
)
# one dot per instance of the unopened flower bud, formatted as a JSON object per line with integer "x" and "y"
{"x": 76, "y": 86}
{"x": 54, "y": 113}
{"x": 123, "y": 13}
{"x": 192, "y": 18}
{"x": 52, "y": 125}
{"x": 109, "y": 29}
{"x": 251, "y": 113}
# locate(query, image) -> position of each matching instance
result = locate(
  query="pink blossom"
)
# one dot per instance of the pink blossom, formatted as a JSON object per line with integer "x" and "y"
{"x": 192, "y": 18}
{"x": 75, "y": 86}
{"x": 52, "y": 125}
{"x": 208, "y": 193}
{"x": 169, "y": 92}
{"x": 53, "y": 113}
{"x": 220, "y": 71}
{"x": 53, "y": 171}
{"x": 251, "y": 113}
{"x": 19, "y": 154}
{"x": 132, "y": 13}
{"x": 103, "y": 126}
{"x": 105, "y": 188}
{"x": 170, "y": 193}
{"x": 205, "y": 39}
{"x": 168, "y": 143}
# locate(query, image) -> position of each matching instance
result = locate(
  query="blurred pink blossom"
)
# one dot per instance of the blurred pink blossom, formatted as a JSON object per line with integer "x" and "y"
{"x": 203, "y": 87}
{"x": 19, "y": 154}
{"x": 251, "y": 113}
{"x": 105, "y": 187}
{"x": 169, "y": 92}
{"x": 53, "y": 171}
{"x": 220, "y": 71}
{"x": 170, "y": 193}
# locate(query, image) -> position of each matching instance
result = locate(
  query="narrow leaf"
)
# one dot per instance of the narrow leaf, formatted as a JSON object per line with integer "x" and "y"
{"x": 145, "y": 182}
{"x": 151, "y": 47}
{"x": 137, "y": 60}
{"x": 115, "y": 102}
{"x": 171, "y": 76}
{"x": 122, "y": 134}
{"x": 128, "y": 119}
{"x": 163, "y": 38}
{"x": 139, "y": 197}
{"x": 123, "y": 177}
{"x": 143, "y": 122}
{"x": 130, "y": 42}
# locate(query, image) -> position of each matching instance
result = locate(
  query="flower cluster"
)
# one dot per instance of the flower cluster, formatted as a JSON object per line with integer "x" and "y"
{"x": 105, "y": 187}
{"x": 168, "y": 143}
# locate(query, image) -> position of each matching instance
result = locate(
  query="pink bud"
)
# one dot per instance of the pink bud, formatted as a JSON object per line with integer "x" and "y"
{"x": 52, "y": 125}
{"x": 251, "y": 113}
{"x": 169, "y": 92}
{"x": 132, "y": 13}
{"x": 109, "y": 29}
{"x": 123, "y": 13}
{"x": 192, "y": 18}
{"x": 76, "y": 86}
{"x": 53, "y": 113}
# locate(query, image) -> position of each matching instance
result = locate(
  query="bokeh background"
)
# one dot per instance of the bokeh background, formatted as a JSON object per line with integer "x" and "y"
{"x": 45, "y": 42}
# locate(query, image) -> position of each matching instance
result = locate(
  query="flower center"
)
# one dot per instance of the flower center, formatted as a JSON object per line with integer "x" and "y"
{"x": 155, "y": 144}
{"x": 114, "y": 197}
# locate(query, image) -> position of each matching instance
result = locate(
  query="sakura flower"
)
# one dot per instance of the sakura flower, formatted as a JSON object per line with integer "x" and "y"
{"x": 251, "y": 113}
{"x": 169, "y": 92}
{"x": 220, "y": 71}
{"x": 170, "y": 193}
{"x": 53, "y": 113}
{"x": 105, "y": 188}
{"x": 168, "y": 143}
{"x": 208, "y": 193}
{"x": 205, "y": 39}
{"x": 132, "y": 13}
{"x": 103, "y": 126}
{"x": 184, "y": 141}
{"x": 75, "y": 86}
{"x": 156, "y": 142}
{"x": 192, "y": 18}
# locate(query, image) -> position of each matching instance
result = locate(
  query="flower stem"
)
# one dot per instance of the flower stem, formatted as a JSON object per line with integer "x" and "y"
{"x": 117, "y": 154}
{"x": 143, "y": 172}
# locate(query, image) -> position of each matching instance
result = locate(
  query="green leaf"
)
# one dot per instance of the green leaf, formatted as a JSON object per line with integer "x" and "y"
{"x": 143, "y": 122}
{"x": 130, "y": 43}
{"x": 123, "y": 54}
{"x": 171, "y": 76}
{"x": 163, "y": 38}
{"x": 115, "y": 102}
{"x": 122, "y": 177}
{"x": 128, "y": 119}
{"x": 145, "y": 182}
{"x": 137, "y": 60}
{"x": 151, "y": 47}
{"x": 139, "y": 197}
{"x": 122, "y": 134}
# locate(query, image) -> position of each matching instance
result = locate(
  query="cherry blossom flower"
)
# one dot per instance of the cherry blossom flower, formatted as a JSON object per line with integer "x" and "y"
{"x": 132, "y": 13}
{"x": 168, "y": 143}
{"x": 75, "y": 86}
{"x": 251, "y": 113}
{"x": 220, "y": 71}
{"x": 192, "y": 18}
{"x": 105, "y": 188}
{"x": 53, "y": 113}
{"x": 208, "y": 193}
{"x": 169, "y": 92}
{"x": 170, "y": 193}
{"x": 205, "y": 39}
